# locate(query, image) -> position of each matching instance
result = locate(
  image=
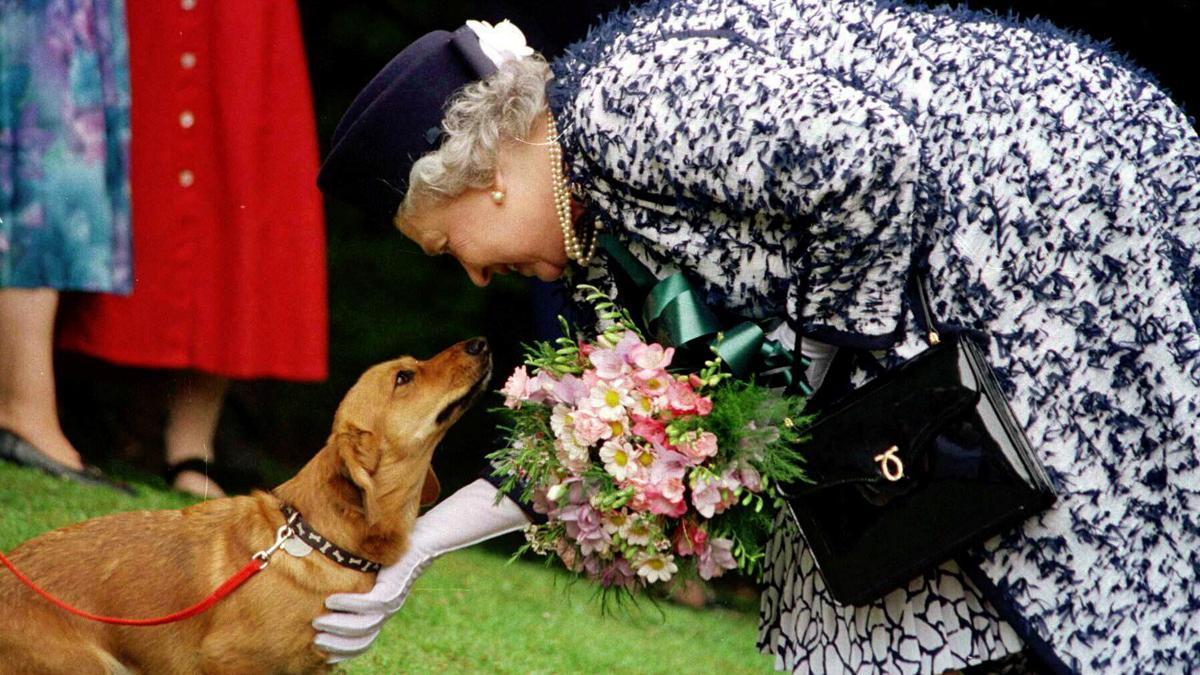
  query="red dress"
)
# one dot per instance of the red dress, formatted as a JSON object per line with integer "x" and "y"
{"x": 228, "y": 231}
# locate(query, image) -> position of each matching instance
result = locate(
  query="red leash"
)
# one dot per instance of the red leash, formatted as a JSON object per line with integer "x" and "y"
{"x": 257, "y": 563}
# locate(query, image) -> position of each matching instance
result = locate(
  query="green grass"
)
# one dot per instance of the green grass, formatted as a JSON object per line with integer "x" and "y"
{"x": 472, "y": 611}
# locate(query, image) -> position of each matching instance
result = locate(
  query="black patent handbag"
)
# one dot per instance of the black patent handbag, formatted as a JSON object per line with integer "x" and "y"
{"x": 912, "y": 468}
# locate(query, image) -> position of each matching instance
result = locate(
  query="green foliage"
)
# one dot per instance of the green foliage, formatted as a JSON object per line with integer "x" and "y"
{"x": 559, "y": 357}
{"x": 528, "y": 458}
{"x": 760, "y": 426}
{"x": 749, "y": 529}
{"x": 610, "y": 313}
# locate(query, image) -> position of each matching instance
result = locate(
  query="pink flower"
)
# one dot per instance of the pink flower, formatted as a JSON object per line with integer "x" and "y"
{"x": 706, "y": 496}
{"x": 650, "y": 497}
{"x": 618, "y": 573}
{"x": 650, "y": 429}
{"x": 659, "y": 487}
{"x": 627, "y": 344}
{"x": 664, "y": 506}
{"x": 711, "y": 496}
{"x": 689, "y": 537}
{"x": 703, "y": 406}
{"x": 698, "y": 446}
{"x": 592, "y": 565}
{"x": 585, "y": 526}
{"x": 595, "y": 542}
{"x": 514, "y": 389}
{"x": 681, "y": 398}
{"x": 715, "y": 557}
{"x": 651, "y": 357}
{"x": 653, "y": 383}
{"x": 608, "y": 363}
{"x": 672, "y": 488}
{"x": 569, "y": 390}
{"x": 539, "y": 387}
{"x": 590, "y": 429}
{"x": 749, "y": 477}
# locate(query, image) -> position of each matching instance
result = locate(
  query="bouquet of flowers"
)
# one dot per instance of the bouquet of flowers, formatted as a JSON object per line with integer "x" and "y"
{"x": 644, "y": 473}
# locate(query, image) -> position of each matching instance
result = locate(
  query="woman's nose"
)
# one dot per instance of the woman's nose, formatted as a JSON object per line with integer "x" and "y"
{"x": 480, "y": 276}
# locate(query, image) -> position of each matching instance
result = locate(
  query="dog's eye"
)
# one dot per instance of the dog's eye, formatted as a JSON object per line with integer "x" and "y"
{"x": 404, "y": 377}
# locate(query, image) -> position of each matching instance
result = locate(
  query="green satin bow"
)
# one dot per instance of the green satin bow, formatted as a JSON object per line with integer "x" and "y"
{"x": 676, "y": 316}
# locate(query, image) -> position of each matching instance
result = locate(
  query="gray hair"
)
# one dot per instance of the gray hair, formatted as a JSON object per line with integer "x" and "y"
{"x": 477, "y": 120}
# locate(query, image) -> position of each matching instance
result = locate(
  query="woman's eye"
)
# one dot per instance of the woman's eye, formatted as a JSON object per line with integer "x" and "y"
{"x": 404, "y": 377}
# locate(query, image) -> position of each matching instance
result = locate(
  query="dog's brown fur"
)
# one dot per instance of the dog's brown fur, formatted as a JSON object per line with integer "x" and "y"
{"x": 362, "y": 491}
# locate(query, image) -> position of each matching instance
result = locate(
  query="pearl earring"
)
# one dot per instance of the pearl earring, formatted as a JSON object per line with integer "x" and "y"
{"x": 498, "y": 196}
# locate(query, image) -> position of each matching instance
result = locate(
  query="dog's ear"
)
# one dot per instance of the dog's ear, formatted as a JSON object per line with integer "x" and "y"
{"x": 358, "y": 451}
{"x": 431, "y": 489}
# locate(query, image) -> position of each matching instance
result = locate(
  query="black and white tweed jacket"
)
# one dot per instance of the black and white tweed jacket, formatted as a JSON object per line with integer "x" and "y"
{"x": 1052, "y": 190}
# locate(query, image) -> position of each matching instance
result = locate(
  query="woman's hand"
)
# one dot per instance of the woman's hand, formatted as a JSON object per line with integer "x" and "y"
{"x": 466, "y": 517}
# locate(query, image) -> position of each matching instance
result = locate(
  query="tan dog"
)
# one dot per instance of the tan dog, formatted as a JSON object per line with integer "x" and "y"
{"x": 362, "y": 491}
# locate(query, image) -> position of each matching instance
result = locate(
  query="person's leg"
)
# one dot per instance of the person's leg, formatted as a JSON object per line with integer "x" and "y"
{"x": 191, "y": 425}
{"x": 27, "y": 400}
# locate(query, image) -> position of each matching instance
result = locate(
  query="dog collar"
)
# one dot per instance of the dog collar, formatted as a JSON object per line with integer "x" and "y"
{"x": 339, "y": 555}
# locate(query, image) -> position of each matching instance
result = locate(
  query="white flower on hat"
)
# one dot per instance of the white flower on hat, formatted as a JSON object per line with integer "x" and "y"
{"x": 501, "y": 43}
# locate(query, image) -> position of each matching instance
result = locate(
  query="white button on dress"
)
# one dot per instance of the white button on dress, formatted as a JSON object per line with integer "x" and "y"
{"x": 186, "y": 178}
{"x": 187, "y": 119}
{"x": 187, "y": 60}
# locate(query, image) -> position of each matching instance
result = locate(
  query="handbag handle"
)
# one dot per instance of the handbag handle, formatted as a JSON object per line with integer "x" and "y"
{"x": 921, "y": 310}
{"x": 926, "y": 314}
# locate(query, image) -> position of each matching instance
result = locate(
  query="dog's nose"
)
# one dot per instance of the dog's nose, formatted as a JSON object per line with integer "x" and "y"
{"x": 477, "y": 346}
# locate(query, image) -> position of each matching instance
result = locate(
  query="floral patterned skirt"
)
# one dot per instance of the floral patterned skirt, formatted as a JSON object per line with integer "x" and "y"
{"x": 937, "y": 623}
{"x": 64, "y": 146}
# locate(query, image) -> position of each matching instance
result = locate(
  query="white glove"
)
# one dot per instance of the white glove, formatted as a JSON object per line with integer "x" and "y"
{"x": 465, "y": 518}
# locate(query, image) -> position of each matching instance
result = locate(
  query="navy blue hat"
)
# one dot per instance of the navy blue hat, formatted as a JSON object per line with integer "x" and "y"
{"x": 397, "y": 118}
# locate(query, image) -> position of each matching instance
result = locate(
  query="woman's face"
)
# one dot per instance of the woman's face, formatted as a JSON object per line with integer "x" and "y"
{"x": 522, "y": 234}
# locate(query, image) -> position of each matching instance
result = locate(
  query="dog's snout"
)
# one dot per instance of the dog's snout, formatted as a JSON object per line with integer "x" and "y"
{"x": 476, "y": 346}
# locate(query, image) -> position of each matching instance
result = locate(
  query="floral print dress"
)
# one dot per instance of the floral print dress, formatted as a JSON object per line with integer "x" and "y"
{"x": 64, "y": 145}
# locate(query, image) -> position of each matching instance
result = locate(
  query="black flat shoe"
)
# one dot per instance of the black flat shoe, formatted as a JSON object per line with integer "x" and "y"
{"x": 19, "y": 451}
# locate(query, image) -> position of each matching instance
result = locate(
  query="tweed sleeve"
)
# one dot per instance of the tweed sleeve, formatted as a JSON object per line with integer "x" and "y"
{"x": 718, "y": 122}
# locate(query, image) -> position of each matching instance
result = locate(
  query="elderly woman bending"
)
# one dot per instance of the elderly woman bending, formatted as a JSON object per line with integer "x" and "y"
{"x": 1047, "y": 189}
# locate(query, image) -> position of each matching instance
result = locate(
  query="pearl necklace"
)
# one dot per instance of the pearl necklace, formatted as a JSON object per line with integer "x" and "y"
{"x": 562, "y": 200}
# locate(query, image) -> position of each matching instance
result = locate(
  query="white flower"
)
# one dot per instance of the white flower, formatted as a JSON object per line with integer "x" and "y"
{"x": 609, "y": 400}
{"x": 642, "y": 405}
{"x": 638, "y": 531}
{"x": 618, "y": 459}
{"x": 655, "y": 567}
{"x": 556, "y": 492}
{"x": 501, "y": 43}
{"x": 616, "y": 522}
{"x": 572, "y": 456}
{"x": 562, "y": 420}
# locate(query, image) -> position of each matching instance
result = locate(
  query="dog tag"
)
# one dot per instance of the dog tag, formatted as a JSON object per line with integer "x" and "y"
{"x": 296, "y": 548}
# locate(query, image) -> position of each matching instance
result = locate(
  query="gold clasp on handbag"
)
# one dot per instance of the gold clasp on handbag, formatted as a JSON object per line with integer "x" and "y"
{"x": 890, "y": 465}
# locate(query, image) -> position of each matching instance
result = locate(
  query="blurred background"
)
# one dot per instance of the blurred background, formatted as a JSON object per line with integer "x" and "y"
{"x": 386, "y": 298}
